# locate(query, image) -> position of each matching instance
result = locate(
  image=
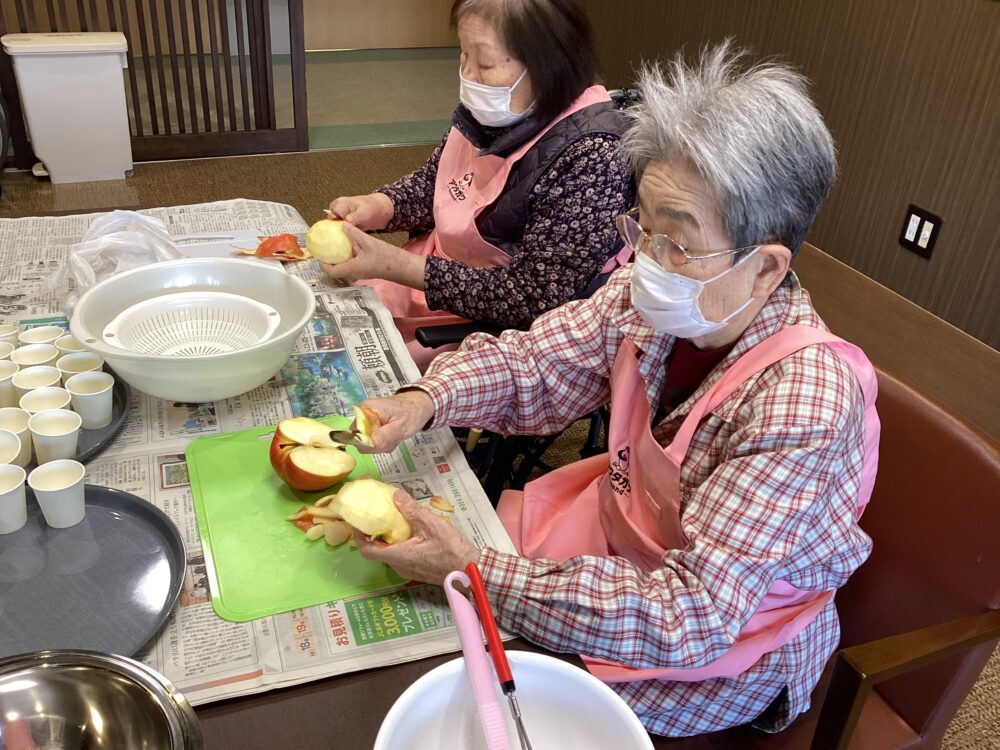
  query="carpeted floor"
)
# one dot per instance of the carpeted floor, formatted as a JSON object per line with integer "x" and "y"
{"x": 308, "y": 182}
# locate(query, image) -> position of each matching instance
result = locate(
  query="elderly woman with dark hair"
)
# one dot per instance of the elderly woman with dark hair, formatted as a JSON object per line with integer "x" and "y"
{"x": 518, "y": 201}
{"x": 694, "y": 566}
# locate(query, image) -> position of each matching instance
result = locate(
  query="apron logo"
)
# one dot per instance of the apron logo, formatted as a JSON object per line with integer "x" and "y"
{"x": 456, "y": 188}
{"x": 618, "y": 473}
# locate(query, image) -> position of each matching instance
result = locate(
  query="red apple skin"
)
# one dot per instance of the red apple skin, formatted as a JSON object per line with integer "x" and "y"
{"x": 295, "y": 476}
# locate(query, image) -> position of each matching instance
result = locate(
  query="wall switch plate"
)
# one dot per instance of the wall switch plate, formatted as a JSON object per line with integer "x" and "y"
{"x": 920, "y": 231}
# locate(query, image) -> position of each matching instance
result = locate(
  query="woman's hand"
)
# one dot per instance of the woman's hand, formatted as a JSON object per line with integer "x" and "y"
{"x": 435, "y": 550}
{"x": 402, "y": 416}
{"x": 367, "y": 212}
{"x": 377, "y": 259}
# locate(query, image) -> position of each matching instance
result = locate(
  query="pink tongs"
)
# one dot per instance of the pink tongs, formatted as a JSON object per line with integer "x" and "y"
{"x": 470, "y": 634}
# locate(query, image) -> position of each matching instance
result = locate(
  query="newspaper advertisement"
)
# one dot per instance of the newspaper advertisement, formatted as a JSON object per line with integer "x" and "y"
{"x": 349, "y": 350}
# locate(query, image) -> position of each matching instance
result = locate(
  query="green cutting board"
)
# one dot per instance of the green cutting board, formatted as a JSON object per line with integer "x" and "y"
{"x": 257, "y": 562}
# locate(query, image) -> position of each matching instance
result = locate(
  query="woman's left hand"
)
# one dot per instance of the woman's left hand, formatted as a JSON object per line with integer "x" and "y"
{"x": 435, "y": 550}
{"x": 377, "y": 259}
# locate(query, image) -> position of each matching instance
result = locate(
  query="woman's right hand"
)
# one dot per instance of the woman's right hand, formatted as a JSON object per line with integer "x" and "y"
{"x": 366, "y": 212}
{"x": 403, "y": 415}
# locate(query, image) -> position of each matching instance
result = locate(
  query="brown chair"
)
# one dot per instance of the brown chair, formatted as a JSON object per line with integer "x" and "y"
{"x": 921, "y": 617}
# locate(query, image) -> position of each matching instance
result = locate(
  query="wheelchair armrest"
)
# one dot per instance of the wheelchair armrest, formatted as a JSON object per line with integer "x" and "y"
{"x": 432, "y": 337}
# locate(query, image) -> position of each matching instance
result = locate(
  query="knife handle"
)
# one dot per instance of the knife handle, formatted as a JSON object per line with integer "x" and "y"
{"x": 493, "y": 642}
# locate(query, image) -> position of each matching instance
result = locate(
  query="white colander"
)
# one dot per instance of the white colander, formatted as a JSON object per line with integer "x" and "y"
{"x": 192, "y": 324}
{"x": 201, "y": 377}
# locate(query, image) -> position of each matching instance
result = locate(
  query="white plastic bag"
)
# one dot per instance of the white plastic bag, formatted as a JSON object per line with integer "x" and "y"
{"x": 114, "y": 242}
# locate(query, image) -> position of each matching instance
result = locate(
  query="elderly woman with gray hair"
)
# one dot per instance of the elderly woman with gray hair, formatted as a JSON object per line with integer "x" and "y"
{"x": 693, "y": 567}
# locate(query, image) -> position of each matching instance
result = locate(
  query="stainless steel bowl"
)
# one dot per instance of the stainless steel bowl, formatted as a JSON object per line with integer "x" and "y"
{"x": 76, "y": 700}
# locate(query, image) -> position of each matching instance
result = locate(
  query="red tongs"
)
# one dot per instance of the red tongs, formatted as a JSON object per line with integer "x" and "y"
{"x": 495, "y": 646}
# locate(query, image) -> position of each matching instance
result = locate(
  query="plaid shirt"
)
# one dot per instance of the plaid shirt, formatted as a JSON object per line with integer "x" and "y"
{"x": 768, "y": 491}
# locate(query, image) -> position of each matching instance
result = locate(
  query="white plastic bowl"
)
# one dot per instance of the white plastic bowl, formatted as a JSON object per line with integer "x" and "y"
{"x": 563, "y": 706}
{"x": 210, "y": 377}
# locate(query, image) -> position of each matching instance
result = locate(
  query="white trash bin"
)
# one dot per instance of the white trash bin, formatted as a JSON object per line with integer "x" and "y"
{"x": 73, "y": 95}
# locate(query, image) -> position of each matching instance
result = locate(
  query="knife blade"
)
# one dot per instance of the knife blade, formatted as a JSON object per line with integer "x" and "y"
{"x": 348, "y": 437}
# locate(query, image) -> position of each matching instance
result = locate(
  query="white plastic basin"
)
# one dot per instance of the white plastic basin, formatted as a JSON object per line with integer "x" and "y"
{"x": 208, "y": 377}
{"x": 563, "y": 707}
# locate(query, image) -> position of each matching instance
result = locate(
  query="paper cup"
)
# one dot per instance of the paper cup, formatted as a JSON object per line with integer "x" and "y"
{"x": 8, "y": 333}
{"x": 91, "y": 394}
{"x": 6, "y": 349}
{"x": 33, "y": 355}
{"x": 41, "y": 334}
{"x": 72, "y": 364}
{"x": 54, "y": 433}
{"x": 31, "y": 378}
{"x": 8, "y": 393}
{"x": 72, "y": 550}
{"x": 58, "y": 488}
{"x": 10, "y": 447}
{"x": 68, "y": 344}
{"x": 41, "y": 399}
{"x": 15, "y": 420}
{"x": 13, "y": 508}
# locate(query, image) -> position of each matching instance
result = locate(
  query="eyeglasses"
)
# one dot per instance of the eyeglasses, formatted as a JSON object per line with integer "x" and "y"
{"x": 660, "y": 246}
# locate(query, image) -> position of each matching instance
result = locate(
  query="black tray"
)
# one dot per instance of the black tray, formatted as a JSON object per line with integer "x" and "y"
{"x": 107, "y": 584}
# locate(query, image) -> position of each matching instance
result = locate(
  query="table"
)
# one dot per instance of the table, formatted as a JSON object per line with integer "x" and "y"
{"x": 345, "y": 710}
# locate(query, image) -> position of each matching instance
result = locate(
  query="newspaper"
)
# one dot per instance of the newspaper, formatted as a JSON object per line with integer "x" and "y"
{"x": 352, "y": 341}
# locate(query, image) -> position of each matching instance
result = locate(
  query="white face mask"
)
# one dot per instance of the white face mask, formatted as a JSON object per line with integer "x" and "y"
{"x": 490, "y": 105}
{"x": 669, "y": 301}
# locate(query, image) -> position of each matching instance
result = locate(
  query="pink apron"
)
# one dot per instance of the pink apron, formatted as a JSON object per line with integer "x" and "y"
{"x": 632, "y": 508}
{"x": 466, "y": 184}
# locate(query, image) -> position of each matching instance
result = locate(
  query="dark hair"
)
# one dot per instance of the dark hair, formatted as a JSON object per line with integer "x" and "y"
{"x": 554, "y": 40}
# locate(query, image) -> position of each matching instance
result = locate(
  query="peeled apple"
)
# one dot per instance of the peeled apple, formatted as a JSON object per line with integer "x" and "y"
{"x": 366, "y": 421}
{"x": 368, "y": 506}
{"x": 327, "y": 243}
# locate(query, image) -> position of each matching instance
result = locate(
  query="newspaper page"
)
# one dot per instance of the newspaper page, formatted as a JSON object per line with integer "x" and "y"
{"x": 349, "y": 350}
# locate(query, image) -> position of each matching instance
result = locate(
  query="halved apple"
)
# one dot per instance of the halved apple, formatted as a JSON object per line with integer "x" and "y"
{"x": 368, "y": 506}
{"x": 305, "y": 457}
{"x": 327, "y": 242}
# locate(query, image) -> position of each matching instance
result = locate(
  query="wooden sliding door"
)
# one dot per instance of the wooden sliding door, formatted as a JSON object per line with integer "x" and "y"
{"x": 201, "y": 73}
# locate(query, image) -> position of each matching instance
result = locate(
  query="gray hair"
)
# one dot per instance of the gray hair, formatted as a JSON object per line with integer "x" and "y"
{"x": 754, "y": 135}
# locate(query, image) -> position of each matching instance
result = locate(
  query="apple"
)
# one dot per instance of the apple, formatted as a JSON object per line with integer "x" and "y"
{"x": 368, "y": 506}
{"x": 327, "y": 243}
{"x": 366, "y": 421}
{"x": 305, "y": 457}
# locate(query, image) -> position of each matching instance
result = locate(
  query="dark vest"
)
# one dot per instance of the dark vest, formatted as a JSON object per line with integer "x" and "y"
{"x": 502, "y": 222}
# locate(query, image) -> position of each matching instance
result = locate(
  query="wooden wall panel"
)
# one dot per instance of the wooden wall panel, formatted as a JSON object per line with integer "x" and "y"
{"x": 376, "y": 24}
{"x": 910, "y": 90}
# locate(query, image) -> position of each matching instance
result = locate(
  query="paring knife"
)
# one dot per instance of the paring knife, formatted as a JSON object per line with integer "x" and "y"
{"x": 348, "y": 437}
{"x": 495, "y": 647}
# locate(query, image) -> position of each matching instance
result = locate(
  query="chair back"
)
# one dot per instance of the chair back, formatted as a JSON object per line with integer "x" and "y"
{"x": 933, "y": 518}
